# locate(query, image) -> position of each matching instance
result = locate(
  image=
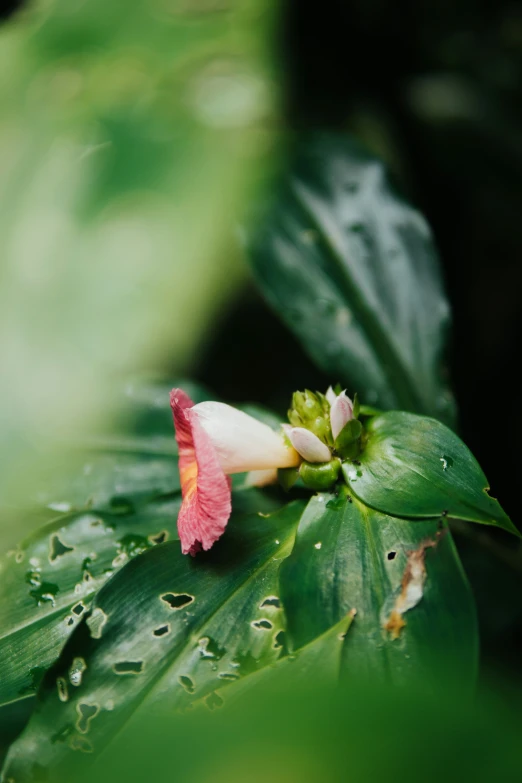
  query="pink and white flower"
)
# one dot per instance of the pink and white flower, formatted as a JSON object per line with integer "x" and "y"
{"x": 215, "y": 440}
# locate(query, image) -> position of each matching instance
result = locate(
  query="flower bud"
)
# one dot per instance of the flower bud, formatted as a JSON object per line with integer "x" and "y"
{"x": 308, "y": 445}
{"x": 321, "y": 427}
{"x": 331, "y": 396}
{"x": 308, "y": 406}
{"x": 341, "y": 412}
{"x": 319, "y": 476}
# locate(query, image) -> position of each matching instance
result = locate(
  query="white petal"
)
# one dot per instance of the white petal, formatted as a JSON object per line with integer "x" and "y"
{"x": 330, "y": 395}
{"x": 308, "y": 445}
{"x": 242, "y": 442}
{"x": 261, "y": 478}
{"x": 340, "y": 413}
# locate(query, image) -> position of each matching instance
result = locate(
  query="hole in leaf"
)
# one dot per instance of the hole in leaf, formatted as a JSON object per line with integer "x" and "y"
{"x": 96, "y": 622}
{"x": 209, "y": 649}
{"x": 81, "y": 743}
{"x": 76, "y": 671}
{"x": 159, "y": 538}
{"x": 45, "y": 593}
{"x": 36, "y": 674}
{"x": 391, "y": 555}
{"x": 177, "y": 600}
{"x": 128, "y": 667}
{"x": 231, "y": 676}
{"x": 213, "y": 701}
{"x": 61, "y": 686}
{"x": 58, "y": 548}
{"x": 162, "y": 630}
{"x": 272, "y": 600}
{"x": 187, "y": 683}
{"x": 133, "y": 544}
{"x": 262, "y": 625}
{"x": 70, "y": 621}
{"x": 279, "y": 640}
{"x": 78, "y": 609}
{"x": 86, "y": 712}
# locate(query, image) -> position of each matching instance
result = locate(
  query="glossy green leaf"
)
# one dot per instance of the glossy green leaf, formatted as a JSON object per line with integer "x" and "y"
{"x": 413, "y": 466}
{"x": 47, "y": 584}
{"x": 318, "y": 662}
{"x": 166, "y": 627}
{"x": 349, "y": 557}
{"x": 352, "y": 270}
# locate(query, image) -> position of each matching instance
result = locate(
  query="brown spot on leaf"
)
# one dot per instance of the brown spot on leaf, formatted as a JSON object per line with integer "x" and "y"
{"x": 395, "y": 624}
{"x": 412, "y": 586}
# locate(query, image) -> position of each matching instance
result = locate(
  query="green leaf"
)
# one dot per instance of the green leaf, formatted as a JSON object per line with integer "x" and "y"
{"x": 133, "y": 458}
{"x": 47, "y": 584}
{"x": 413, "y": 466}
{"x": 167, "y": 626}
{"x": 319, "y": 661}
{"x": 352, "y": 270}
{"x": 349, "y": 557}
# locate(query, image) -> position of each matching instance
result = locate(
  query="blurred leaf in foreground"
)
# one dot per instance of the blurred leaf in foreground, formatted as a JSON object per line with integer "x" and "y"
{"x": 130, "y": 132}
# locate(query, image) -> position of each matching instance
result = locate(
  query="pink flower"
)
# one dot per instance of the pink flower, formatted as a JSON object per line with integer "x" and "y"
{"x": 214, "y": 440}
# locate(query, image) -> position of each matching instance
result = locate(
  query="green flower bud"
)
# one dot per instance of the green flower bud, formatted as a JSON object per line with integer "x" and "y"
{"x": 319, "y": 476}
{"x": 311, "y": 411}
{"x": 321, "y": 427}
{"x": 294, "y": 418}
{"x": 307, "y": 405}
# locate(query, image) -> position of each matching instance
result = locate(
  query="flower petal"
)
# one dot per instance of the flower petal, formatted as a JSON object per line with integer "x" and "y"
{"x": 243, "y": 443}
{"x": 308, "y": 445}
{"x": 340, "y": 413}
{"x": 330, "y": 395}
{"x": 205, "y": 488}
{"x": 261, "y": 478}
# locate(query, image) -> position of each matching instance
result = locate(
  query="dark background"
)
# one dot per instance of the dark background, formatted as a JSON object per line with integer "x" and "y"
{"x": 433, "y": 87}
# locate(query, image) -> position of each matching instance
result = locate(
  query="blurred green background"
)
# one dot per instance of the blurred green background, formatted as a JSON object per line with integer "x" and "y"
{"x": 132, "y": 137}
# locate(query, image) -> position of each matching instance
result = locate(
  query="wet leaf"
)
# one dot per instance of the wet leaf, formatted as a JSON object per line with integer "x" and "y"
{"x": 47, "y": 584}
{"x": 352, "y": 270}
{"x": 226, "y": 623}
{"x": 349, "y": 557}
{"x": 416, "y": 467}
{"x": 319, "y": 662}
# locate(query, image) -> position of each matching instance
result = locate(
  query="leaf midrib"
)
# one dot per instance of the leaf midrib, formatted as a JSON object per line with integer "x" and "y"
{"x": 388, "y": 358}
